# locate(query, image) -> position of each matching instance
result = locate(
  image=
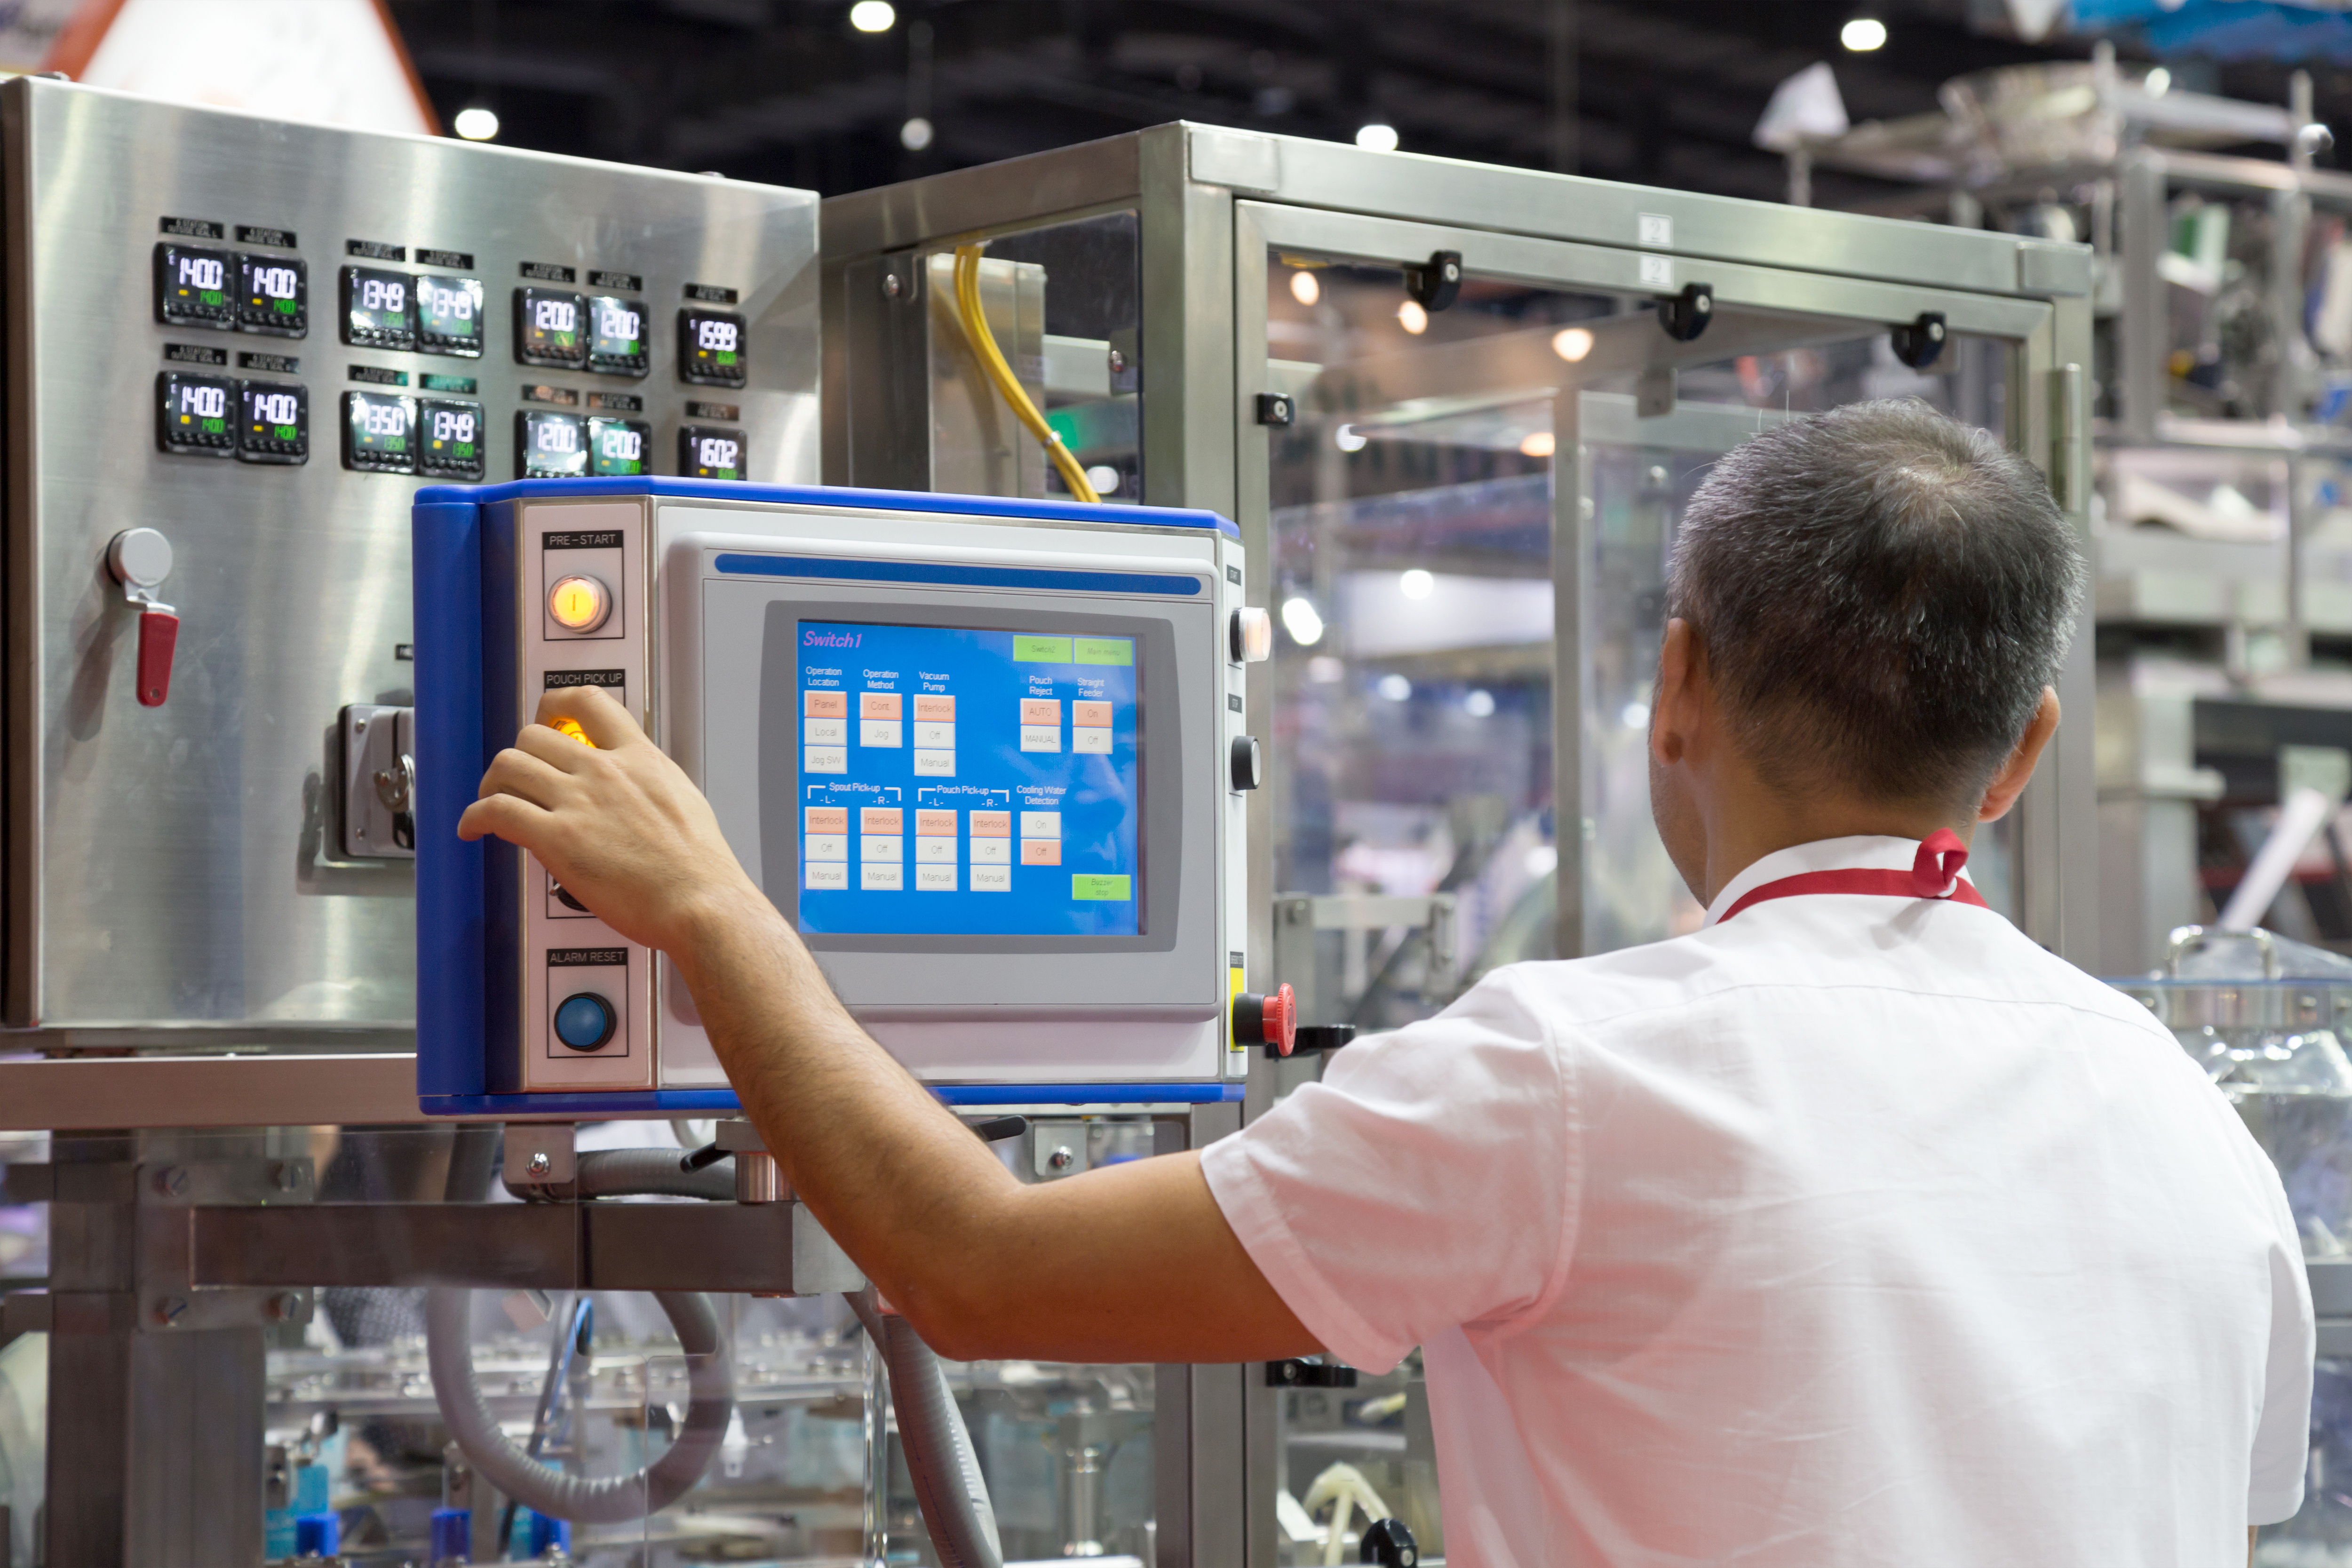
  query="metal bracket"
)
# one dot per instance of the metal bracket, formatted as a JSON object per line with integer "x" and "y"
{"x": 1278, "y": 408}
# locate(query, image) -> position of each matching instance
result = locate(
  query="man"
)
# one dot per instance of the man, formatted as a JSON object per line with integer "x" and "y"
{"x": 1852, "y": 1228}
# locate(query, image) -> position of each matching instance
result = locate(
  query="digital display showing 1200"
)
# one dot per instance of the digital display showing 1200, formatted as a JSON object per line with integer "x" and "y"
{"x": 380, "y": 432}
{"x": 449, "y": 315}
{"x": 617, "y": 448}
{"x": 953, "y": 781}
{"x": 548, "y": 328}
{"x": 379, "y": 308}
{"x": 550, "y": 445}
{"x": 616, "y": 344}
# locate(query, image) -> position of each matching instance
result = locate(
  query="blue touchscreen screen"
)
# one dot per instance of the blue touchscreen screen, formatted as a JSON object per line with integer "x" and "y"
{"x": 957, "y": 782}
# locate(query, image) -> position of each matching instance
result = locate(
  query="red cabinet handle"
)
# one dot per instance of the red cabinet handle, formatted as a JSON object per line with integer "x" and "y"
{"x": 159, "y": 633}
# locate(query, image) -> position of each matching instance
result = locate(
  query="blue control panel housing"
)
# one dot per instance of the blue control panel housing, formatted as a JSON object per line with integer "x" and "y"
{"x": 463, "y": 607}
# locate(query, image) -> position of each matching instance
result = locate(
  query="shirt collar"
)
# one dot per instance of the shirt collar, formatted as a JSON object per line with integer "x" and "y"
{"x": 1860, "y": 852}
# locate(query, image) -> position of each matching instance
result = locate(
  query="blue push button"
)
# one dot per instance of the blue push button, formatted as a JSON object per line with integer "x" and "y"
{"x": 585, "y": 1021}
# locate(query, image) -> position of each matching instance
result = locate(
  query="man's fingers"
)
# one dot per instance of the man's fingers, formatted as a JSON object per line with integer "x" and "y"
{"x": 506, "y": 816}
{"x": 605, "y": 721}
{"x": 562, "y": 751}
{"x": 520, "y": 773}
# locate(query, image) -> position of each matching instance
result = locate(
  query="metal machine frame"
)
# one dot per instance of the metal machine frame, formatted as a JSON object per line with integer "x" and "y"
{"x": 1211, "y": 203}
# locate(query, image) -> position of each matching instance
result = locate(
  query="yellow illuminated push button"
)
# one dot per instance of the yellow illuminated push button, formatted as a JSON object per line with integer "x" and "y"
{"x": 579, "y": 603}
{"x": 569, "y": 726}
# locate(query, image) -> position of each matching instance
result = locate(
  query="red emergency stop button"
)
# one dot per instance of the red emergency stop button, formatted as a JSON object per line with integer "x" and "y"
{"x": 1267, "y": 1020}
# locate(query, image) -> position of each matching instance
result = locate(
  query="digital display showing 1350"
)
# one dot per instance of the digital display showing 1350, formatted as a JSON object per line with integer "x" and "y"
{"x": 380, "y": 432}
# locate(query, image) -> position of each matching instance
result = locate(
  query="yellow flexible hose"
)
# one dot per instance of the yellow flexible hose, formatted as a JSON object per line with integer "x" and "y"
{"x": 991, "y": 360}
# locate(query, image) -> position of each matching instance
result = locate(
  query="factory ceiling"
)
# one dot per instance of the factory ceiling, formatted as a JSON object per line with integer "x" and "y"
{"x": 1662, "y": 93}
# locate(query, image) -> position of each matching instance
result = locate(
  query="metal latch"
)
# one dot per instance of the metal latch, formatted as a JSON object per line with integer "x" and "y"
{"x": 379, "y": 781}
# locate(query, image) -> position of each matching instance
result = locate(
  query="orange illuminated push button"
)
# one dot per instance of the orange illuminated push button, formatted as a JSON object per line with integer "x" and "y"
{"x": 579, "y": 603}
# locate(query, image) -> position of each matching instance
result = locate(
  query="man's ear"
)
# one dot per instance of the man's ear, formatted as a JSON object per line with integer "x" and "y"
{"x": 2018, "y": 769}
{"x": 1675, "y": 704}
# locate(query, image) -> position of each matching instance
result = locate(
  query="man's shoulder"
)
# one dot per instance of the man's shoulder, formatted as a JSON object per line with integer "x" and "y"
{"x": 1975, "y": 955}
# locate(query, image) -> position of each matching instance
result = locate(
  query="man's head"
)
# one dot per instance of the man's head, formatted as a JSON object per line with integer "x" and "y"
{"x": 1873, "y": 604}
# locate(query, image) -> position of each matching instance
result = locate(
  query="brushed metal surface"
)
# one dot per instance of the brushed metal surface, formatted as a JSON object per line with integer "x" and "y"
{"x": 173, "y": 872}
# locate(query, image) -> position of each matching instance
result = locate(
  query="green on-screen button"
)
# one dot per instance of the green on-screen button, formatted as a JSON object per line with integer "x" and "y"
{"x": 1086, "y": 886}
{"x": 1041, "y": 650}
{"x": 1105, "y": 650}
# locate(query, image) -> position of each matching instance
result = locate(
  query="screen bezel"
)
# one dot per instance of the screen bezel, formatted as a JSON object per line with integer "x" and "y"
{"x": 1159, "y": 781}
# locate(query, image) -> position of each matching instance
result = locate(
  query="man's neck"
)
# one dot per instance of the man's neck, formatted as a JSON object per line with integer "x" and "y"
{"x": 1759, "y": 822}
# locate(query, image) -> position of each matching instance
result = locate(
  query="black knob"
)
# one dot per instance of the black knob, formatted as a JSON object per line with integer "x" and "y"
{"x": 1299, "y": 1372}
{"x": 1387, "y": 1542}
{"x": 1248, "y": 763}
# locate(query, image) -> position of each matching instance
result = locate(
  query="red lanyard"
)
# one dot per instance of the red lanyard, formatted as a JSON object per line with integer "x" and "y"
{"x": 1935, "y": 874}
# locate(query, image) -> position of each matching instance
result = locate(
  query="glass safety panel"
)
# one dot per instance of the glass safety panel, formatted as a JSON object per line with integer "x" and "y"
{"x": 1434, "y": 459}
{"x": 1066, "y": 1449}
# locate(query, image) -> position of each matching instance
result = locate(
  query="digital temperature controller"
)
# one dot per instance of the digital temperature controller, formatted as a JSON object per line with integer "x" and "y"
{"x": 275, "y": 423}
{"x": 619, "y": 449}
{"x": 449, "y": 315}
{"x": 452, "y": 446}
{"x": 704, "y": 453}
{"x": 274, "y": 296}
{"x": 380, "y": 432}
{"x": 192, "y": 287}
{"x": 616, "y": 344}
{"x": 550, "y": 445}
{"x": 379, "y": 310}
{"x": 547, "y": 329}
{"x": 711, "y": 347}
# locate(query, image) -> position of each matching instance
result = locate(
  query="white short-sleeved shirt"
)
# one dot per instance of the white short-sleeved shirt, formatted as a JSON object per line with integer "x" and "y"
{"x": 1850, "y": 1230}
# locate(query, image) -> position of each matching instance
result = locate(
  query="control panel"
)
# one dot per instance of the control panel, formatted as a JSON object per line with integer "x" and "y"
{"x": 251, "y": 366}
{"x": 437, "y": 314}
{"x": 929, "y": 727}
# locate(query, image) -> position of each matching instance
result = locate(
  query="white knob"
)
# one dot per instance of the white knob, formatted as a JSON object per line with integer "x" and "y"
{"x": 1252, "y": 635}
{"x": 139, "y": 558}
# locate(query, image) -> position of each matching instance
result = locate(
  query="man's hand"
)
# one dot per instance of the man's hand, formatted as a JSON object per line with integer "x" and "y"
{"x": 616, "y": 821}
{"x": 1134, "y": 1263}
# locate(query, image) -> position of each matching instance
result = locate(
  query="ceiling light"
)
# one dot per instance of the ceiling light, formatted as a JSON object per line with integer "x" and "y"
{"x": 1395, "y": 687}
{"x": 916, "y": 135}
{"x": 1416, "y": 583}
{"x": 1348, "y": 439}
{"x": 1538, "y": 444}
{"x": 2157, "y": 82}
{"x": 1304, "y": 288}
{"x": 1412, "y": 318}
{"x": 1862, "y": 35}
{"x": 1571, "y": 343}
{"x": 1325, "y": 670}
{"x": 1299, "y": 619}
{"x": 1377, "y": 137}
{"x": 1634, "y": 715}
{"x": 475, "y": 124}
{"x": 1104, "y": 478}
{"x": 1542, "y": 860}
{"x": 873, "y": 15}
{"x": 1480, "y": 704}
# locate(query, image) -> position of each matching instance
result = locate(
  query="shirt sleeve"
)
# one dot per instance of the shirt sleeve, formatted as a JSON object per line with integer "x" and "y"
{"x": 2283, "y": 1436}
{"x": 1428, "y": 1180}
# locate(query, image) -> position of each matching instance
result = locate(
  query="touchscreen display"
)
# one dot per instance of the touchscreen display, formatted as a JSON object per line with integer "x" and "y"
{"x": 961, "y": 782}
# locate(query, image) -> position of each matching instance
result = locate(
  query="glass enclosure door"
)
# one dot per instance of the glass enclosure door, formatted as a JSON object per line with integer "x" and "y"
{"x": 1416, "y": 501}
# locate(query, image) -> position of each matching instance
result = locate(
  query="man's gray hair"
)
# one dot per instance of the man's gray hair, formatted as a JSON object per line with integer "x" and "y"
{"x": 1880, "y": 594}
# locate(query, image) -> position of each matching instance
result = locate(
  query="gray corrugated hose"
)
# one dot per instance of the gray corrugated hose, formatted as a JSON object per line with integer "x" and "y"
{"x": 940, "y": 1457}
{"x": 602, "y": 1500}
{"x": 636, "y": 1173}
